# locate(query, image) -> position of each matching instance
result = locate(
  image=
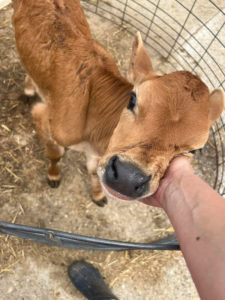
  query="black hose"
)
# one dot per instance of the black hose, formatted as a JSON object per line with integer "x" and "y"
{"x": 75, "y": 241}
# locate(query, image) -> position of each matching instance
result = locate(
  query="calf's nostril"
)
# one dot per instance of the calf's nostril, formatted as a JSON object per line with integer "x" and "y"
{"x": 113, "y": 166}
{"x": 139, "y": 189}
{"x": 111, "y": 169}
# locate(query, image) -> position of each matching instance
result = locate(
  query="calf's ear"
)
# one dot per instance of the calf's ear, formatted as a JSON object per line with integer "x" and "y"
{"x": 217, "y": 104}
{"x": 140, "y": 66}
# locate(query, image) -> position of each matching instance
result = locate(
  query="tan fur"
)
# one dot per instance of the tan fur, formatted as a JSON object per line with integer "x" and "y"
{"x": 86, "y": 96}
{"x": 29, "y": 87}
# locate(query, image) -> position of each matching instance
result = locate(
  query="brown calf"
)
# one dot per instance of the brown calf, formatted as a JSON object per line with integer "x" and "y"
{"x": 129, "y": 130}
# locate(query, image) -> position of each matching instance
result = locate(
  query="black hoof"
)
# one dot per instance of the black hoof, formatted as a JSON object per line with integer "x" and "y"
{"x": 87, "y": 279}
{"x": 53, "y": 183}
{"x": 101, "y": 202}
{"x": 27, "y": 99}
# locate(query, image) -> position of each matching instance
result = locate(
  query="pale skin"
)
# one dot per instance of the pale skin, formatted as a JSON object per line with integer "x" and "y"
{"x": 197, "y": 214}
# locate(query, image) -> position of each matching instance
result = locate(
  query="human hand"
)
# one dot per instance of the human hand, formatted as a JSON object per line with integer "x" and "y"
{"x": 179, "y": 167}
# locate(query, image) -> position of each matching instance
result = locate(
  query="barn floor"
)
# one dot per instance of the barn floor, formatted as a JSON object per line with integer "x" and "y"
{"x": 33, "y": 271}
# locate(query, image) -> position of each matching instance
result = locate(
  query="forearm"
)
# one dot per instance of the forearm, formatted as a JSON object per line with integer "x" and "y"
{"x": 198, "y": 216}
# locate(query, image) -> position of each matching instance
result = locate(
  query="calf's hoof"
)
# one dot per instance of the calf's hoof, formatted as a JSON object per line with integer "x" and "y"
{"x": 27, "y": 99}
{"x": 53, "y": 183}
{"x": 102, "y": 202}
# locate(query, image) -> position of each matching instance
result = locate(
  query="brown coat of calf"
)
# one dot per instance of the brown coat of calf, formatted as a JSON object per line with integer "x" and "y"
{"x": 87, "y": 104}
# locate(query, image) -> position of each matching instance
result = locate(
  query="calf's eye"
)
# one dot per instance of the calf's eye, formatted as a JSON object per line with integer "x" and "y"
{"x": 193, "y": 151}
{"x": 132, "y": 101}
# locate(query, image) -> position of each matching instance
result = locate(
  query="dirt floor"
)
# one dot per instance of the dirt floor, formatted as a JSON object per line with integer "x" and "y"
{"x": 33, "y": 271}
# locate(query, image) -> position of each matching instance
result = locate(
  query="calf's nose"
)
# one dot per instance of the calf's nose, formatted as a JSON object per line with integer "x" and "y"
{"x": 125, "y": 178}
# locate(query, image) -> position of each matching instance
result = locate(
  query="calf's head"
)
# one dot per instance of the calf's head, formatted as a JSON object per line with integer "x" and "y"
{"x": 167, "y": 116}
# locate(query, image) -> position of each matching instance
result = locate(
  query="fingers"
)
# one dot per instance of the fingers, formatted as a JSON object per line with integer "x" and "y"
{"x": 179, "y": 166}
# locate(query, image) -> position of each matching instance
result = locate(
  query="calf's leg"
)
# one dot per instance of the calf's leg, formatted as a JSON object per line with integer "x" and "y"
{"x": 53, "y": 150}
{"x": 98, "y": 197}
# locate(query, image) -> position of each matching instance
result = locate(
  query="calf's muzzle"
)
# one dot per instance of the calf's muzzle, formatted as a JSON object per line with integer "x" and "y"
{"x": 125, "y": 178}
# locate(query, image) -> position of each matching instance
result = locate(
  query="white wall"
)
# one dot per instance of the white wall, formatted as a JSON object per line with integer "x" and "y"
{"x": 4, "y": 3}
